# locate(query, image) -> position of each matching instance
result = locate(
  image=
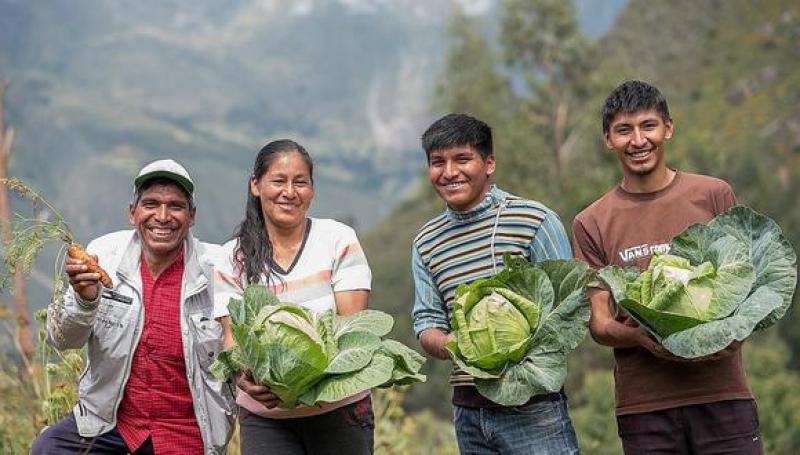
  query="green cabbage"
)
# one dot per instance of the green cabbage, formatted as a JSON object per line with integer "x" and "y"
{"x": 513, "y": 331}
{"x": 307, "y": 358}
{"x": 721, "y": 281}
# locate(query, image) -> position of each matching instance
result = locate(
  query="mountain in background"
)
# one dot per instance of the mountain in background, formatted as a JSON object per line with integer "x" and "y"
{"x": 101, "y": 87}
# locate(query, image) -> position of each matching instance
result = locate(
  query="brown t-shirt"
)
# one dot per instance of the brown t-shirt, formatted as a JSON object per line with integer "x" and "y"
{"x": 626, "y": 229}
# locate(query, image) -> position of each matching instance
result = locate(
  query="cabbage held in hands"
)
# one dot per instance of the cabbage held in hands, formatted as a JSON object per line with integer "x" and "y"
{"x": 512, "y": 332}
{"x": 307, "y": 358}
{"x": 721, "y": 281}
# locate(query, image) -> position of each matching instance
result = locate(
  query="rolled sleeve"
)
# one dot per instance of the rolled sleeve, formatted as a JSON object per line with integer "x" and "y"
{"x": 429, "y": 310}
{"x": 551, "y": 240}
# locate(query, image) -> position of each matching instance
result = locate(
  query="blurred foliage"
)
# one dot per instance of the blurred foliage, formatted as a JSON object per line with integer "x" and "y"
{"x": 775, "y": 387}
{"x": 398, "y": 432}
{"x": 729, "y": 71}
{"x": 29, "y": 404}
{"x": 18, "y": 422}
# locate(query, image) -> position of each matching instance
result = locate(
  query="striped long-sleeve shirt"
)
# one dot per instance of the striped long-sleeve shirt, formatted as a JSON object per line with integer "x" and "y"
{"x": 460, "y": 247}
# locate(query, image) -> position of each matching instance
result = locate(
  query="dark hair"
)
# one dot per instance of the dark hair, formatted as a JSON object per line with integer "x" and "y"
{"x": 146, "y": 185}
{"x": 633, "y": 96}
{"x": 253, "y": 252}
{"x": 457, "y": 130}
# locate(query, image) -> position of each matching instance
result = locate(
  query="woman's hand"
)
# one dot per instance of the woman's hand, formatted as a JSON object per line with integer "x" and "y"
{"x": 260, "y": 393}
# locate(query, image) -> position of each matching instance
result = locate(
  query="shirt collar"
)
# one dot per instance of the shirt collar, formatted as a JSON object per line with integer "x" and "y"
{"x": 492, "y": 199}
{"x": 178, "y": 263}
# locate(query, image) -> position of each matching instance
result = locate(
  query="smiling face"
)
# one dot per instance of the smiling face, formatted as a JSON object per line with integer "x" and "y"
{"x": 638, "y": 138}
{"x": 162, "y": 216}
{"x": 285, "y": 191}
{"x": 460, "y": 175}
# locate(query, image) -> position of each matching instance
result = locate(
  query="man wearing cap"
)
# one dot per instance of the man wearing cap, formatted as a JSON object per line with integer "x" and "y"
{"x": 150, "y": 338}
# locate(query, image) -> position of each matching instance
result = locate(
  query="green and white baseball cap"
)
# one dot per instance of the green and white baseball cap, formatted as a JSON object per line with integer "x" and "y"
{"x": 165, "y": 169}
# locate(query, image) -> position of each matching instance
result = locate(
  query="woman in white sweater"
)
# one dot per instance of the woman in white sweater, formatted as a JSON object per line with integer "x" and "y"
{"x": 314, "y": 263}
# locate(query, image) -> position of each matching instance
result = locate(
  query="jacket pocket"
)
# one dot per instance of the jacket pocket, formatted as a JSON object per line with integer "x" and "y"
{"x": 112, "y": 316}
{"x": 208, "y": 337}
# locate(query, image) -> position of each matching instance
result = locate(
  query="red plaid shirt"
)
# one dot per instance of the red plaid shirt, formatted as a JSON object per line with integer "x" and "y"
{"x": 157, "y": 401}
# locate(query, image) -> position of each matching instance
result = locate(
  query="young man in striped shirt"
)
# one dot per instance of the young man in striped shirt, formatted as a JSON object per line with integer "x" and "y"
{"x": 480, "y": 224}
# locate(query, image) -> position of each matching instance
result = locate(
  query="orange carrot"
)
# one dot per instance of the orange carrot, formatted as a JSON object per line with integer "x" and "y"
{"x": 76, "y": 251}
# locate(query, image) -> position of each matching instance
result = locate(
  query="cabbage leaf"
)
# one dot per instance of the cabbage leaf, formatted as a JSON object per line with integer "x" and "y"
{"x": 513, "y": 331}
{"x": 721, "y": 281}
{"x": 308, "y": 358}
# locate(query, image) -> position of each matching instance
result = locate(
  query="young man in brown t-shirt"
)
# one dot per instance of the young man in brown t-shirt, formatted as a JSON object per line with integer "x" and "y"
{"x": 664, "y": 404}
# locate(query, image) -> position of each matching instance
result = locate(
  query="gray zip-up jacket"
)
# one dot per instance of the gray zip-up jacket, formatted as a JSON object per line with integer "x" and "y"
{"x": 112, "y": 326}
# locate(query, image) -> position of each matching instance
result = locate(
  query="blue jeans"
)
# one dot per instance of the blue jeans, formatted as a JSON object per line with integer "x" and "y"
{"x": 541, "y": 428}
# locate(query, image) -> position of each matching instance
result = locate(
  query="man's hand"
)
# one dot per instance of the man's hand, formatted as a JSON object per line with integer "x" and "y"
{"x": 260, "y": 393}
{"x": 85, "y": 284}
{"x": 608, "y": 331}
{"x": 433, "y": 341}
{"x": 655, "y": 348}
{"x": 721, "y": 354}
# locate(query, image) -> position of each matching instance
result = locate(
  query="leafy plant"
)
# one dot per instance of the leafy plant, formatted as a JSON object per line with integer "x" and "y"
{"x": 307, "y": 358}
{"x": 721, "y": 281}
{"x": 399, "y": 432}
{"x": 30, "y": 234}
{"x": 62, "y": 370}
{"x": 57, "y": 372}
{"x": 513, "y": 331}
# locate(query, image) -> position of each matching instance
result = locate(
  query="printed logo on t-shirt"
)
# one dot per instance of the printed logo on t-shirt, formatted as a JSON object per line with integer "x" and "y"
{"x": 645, "y": 250}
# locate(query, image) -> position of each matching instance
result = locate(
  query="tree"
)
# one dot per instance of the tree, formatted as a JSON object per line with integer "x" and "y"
{"x": 469, "y": 82}
{"x": 24, "y": 339}
{"x": 543, "y": 42}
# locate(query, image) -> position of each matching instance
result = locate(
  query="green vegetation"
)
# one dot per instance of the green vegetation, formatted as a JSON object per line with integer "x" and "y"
{"x": 513, "y": 331}
{"x": 32, "y": 402}
{"x": 398, "y": 432}
{"x": 308, "y": 358}
{"x": 726, "y": 278}
{"x": 31, "y": 233}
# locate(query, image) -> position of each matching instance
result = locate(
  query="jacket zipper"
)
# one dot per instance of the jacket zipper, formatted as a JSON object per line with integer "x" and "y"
{"x": 189, "y": 357}
{"x": 137, "y": 335}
